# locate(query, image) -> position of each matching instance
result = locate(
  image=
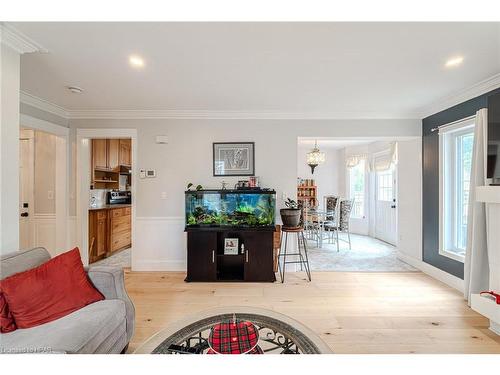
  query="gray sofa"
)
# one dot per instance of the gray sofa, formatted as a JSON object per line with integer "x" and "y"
{"x": 102, "y": 327}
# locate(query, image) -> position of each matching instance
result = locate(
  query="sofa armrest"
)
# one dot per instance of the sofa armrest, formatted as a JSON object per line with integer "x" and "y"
{"x": 110, "y": 282}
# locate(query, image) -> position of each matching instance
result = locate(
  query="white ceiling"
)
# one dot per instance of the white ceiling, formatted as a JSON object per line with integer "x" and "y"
{"x": 384, "y": 69}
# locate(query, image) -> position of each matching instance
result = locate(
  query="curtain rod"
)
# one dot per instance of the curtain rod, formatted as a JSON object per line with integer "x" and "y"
{"x": 452, "y": 123}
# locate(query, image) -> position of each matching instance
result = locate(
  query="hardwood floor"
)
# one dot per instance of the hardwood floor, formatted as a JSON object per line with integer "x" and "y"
{"x": 407, "y": 312}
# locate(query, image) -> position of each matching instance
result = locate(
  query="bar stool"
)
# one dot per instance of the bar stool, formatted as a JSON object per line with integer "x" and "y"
{"x": 303, "y": 260}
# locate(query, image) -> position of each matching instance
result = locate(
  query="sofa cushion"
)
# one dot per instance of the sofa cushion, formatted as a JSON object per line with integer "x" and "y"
{"x": 82, "y": 331}
{"x": 49, "y": 291}
{"x": 7, "y": 323}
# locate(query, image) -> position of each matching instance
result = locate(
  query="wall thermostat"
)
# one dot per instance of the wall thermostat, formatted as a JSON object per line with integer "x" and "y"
{"x": 147, "y": 173}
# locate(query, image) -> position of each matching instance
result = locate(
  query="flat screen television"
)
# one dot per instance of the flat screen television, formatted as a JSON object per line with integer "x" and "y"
{"x": 493, "y": 169}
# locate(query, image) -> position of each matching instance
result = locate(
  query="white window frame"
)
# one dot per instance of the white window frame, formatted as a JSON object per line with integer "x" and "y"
{"x": 365, "y": 162}
{"x": 447, "y": 135}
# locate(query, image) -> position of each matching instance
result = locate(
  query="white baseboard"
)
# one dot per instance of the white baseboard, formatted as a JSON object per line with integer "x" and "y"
{"x": 434, "y": 272}
{"x": 495, "y": 328}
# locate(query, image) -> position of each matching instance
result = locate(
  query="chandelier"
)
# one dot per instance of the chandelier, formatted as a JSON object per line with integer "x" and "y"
{"x": 315, "y": 157}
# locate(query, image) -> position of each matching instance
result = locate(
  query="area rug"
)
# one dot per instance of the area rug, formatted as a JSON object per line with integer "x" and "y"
{"x": 367, "y": 254}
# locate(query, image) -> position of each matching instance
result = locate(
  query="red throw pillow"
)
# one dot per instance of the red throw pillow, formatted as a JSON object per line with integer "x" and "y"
{"x": 7, "y": 323}
{"x": 50, "y": 291}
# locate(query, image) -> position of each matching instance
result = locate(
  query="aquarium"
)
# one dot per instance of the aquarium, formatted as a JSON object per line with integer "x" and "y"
{"x": 232, "y": 208}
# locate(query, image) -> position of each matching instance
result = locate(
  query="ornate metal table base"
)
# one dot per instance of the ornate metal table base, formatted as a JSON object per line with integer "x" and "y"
{"x": 276, "y": 336}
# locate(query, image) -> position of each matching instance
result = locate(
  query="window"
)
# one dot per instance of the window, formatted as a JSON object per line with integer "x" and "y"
{"x": 357, "y": 189}
{"x": 385, "y": 185}
{"x": 456, "y": 143}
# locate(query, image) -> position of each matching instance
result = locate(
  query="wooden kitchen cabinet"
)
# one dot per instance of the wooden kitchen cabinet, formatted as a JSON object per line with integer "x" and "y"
{"x": 98, "y": 234}
{"x": 107, "y": 157}
{"x": 113, "y": 153}
{"x": 120, "y": 229}
{"x": 99, "y": 153}
{"x": 125, "y": 152}
{"x": 110, "y": 231}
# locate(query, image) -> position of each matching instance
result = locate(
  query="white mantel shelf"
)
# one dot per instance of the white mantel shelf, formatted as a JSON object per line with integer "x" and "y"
{"x": 488, "y": 194}
{"x": 491, "y": 196}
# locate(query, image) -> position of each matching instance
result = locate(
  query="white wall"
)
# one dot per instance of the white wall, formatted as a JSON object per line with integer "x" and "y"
{"x": 188, "y": 158}
{"x": 326, "y": 176}
{"x": 409, "y": 204}
{"x": 9, "y": 149}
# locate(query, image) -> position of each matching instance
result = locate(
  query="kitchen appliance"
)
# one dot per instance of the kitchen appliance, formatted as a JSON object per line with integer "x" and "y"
{"x": 119, "y": 197}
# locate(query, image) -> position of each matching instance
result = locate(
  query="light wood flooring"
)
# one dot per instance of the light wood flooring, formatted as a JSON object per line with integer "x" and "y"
{"x": 353, "y": 312}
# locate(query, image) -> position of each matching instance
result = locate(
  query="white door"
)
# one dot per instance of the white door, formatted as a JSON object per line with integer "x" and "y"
{"x": 25, "y": 189}
{"x": 385, "y": 206}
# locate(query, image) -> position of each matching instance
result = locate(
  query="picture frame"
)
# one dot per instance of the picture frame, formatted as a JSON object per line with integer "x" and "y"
{"x": 233, "y": 159}
{"x": 231, "y": 246}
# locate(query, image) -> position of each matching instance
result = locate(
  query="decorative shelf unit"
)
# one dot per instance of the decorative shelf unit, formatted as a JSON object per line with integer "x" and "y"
{"x": 307, "y": 195}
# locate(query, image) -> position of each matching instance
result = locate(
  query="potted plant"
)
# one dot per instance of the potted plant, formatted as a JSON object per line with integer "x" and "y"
{"x": 290, "y": 216}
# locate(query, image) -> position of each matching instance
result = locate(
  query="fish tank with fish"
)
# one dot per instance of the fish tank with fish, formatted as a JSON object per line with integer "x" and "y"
{"x": 230, "y": 208}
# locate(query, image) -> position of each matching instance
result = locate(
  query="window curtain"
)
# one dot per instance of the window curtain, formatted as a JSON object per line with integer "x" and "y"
{"x": 476, "y": 269}
{"x": 385, "y": 162}
{"x": 353, "y": 160}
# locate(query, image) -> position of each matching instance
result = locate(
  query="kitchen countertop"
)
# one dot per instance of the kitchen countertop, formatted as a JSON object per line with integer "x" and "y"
{"x": 109, "y": 207}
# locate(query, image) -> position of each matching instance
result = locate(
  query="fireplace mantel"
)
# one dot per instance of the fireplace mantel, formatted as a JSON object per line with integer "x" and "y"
{"x": 491, "y": 196}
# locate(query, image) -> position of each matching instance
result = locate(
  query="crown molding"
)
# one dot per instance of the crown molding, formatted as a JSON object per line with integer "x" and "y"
{"x": 229, "y": 115}
{"x": 461, "y": 96}
{"x": 44, "y": 105}
{"x": 19, "y": 42}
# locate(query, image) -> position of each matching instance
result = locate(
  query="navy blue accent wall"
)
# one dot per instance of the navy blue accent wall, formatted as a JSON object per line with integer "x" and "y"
{"x": 430, "y": 181}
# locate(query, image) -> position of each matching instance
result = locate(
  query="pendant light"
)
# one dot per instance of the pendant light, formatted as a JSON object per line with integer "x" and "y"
{"x": 315, "y": 157}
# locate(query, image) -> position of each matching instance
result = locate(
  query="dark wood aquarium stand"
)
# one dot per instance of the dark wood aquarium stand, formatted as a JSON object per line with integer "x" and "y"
{"x": 206, "y": 260}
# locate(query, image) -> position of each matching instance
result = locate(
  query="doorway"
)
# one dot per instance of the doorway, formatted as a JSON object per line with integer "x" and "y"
{"x": 363, "y": 172}
{"x": 384, "y": 194}
{"x": 100, "y": 171}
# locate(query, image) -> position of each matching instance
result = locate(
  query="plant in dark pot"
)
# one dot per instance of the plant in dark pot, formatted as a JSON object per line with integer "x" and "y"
{"x": 290, "y": 216}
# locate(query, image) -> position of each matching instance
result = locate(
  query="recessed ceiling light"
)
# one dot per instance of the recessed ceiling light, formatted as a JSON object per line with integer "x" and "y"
{"x": 75, "y": 89}
{"x": 136, "y": 61}
{"x": 454, "y": 61}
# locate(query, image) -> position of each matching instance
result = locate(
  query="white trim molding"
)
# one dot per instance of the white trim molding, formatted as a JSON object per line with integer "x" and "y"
{"x": 231, "y": 115}
{"x": 450, "y": 280}
{"x": 461, "y": 96}
{"x": 27, "y": 121}
{"x": 44, "y": 105}
{"x": 19, "y": 42}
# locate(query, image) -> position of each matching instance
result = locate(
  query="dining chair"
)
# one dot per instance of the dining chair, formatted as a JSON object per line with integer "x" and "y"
{"x": 342, "y": 226}
{"x": 331, "y": 207}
